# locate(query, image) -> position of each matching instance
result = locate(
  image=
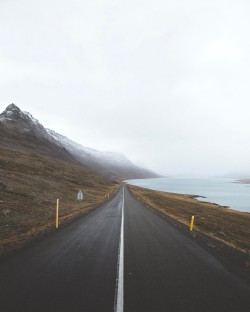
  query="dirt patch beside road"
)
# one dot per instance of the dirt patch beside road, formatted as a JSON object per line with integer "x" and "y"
{"x": 226, "y": 225}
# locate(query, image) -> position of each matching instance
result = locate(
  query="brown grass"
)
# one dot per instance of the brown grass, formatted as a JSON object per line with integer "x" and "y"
{"x": 227, "y": 225}
{"x": 29, "y": 187}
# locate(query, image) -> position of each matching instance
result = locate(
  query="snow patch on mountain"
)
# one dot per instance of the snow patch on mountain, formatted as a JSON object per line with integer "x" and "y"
{"x": 24, "y": 121}
{"x": 90, "y": 153}
{"x": 54, "y": 144}
{"x": 27, "y": 123}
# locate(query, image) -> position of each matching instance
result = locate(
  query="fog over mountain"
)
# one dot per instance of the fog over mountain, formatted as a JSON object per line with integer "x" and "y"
{"x": 21, "y": 131}
{"x": 164, "y": 82}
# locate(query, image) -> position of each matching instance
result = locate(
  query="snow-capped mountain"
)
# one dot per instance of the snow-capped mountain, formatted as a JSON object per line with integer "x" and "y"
{"x": 12, "y": 115}
{"x": 20, "y": 130}
{"x": 87, "y": 151}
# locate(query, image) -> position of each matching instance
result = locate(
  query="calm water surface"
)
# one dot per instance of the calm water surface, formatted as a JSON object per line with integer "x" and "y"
{"x": 225, "y": 192}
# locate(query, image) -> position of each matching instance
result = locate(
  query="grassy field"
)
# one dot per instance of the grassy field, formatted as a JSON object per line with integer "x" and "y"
{"x": 227, "y": 225}
{"x": 29, "y": 187}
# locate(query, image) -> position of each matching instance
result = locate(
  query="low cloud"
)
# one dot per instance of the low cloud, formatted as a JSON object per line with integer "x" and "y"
{"x": 165, "y": 83}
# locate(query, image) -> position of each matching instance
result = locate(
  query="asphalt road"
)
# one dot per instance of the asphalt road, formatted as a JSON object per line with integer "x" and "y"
{"x": 165, "y": 270}
{"x": 76, "y": 268}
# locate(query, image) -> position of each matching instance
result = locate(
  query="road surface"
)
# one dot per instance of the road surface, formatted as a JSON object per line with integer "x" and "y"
{"x": 85, "y": 267}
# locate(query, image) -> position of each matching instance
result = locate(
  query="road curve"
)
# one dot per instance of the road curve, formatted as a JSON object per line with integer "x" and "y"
{"x": 75, "y": 269}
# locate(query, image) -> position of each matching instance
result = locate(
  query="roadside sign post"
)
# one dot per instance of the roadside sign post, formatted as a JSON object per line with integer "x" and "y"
{"x": 80, "y": 196}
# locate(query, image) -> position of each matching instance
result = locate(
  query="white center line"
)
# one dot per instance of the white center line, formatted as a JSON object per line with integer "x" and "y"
{"x": 119, "y": 287}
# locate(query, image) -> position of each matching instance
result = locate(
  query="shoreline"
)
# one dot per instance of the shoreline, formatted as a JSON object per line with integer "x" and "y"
{"x": 234, "y": 259}
{"x": 225, "y": 202}
{"x": 229, "y": 226}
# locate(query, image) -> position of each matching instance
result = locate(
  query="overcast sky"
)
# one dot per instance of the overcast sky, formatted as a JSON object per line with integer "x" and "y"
{"x": 167, "y": 83}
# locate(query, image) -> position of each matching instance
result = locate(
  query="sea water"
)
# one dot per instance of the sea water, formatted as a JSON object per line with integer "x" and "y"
{"x": 224, "y": 192}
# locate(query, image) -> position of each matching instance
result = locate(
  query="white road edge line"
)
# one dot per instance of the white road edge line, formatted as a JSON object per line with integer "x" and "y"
{"x": 119, "y": 282}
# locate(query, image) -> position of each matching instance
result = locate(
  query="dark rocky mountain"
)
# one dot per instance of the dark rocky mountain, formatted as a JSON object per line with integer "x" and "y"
{"x": 21, "y": 131}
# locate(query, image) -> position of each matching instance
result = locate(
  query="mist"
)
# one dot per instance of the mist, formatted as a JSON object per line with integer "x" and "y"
{"x": 166, "y": 83}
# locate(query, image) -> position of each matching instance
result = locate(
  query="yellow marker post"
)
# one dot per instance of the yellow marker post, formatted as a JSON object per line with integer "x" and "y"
{"x": 57, "y": 212}
{"x": 192, "y": 224}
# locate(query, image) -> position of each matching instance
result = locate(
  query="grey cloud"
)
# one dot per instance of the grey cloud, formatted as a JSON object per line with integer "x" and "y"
{"x": 165, "y": 82}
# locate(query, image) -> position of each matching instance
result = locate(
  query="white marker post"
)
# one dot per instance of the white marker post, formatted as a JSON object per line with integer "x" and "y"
{"x": 80, "y": 196}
